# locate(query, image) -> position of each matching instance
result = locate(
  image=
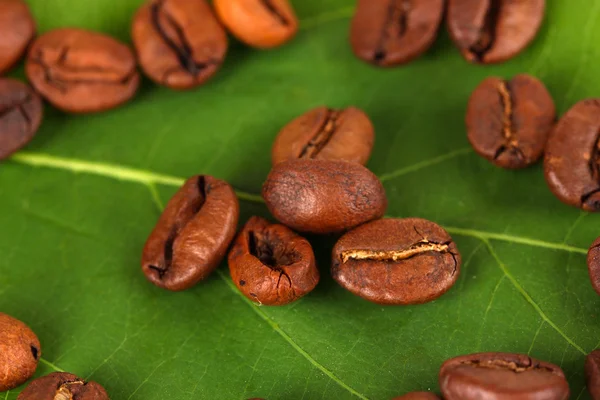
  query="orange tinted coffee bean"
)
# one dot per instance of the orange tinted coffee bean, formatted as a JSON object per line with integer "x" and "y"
{"x": 20, "y": 352}
{"x": 17, "y": 28}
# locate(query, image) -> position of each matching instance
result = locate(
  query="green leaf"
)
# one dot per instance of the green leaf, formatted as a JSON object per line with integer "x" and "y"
{"x": 79, "y": 202}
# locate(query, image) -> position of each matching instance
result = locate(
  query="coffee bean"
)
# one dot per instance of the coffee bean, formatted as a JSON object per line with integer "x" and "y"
{"x": 493, "y": 31}
{"x": 323, "y": 196}
{"x": 593, "y": 263}
{"x": 63, "y": 386}
{"x": 192, "y": 234}
{"x": 508, "y": 122}
{"x": 501, "y": 376}
{"x": 81, "y": 71}
{"x": 326, "y": 134}
{"x": 272, "y": 265}
{"x": 396, "y": 261}
{"x": 572, "y": 156}
{"x": 258, "y": 23}
{"x": 20, "y": 352}
{"x": 418, "y": 396}
{"x": 391, "y": 32}
{"x": 592, "y": 374}
{"x": 179, "y": 43}
{"x": 17, "y": 28}
{"x": 20, "y": 115}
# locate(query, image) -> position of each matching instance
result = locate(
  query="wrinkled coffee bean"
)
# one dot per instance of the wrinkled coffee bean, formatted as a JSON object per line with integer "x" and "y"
{"x": 501, "y": 376}
{"x": 258, "y": 23}
{"x": 323, "y": 196}
{"x": 272, "y": 265}
{"x": 508, "y": 122}
{"x": 63, "y": 386}
{"x": 391, "y": 32}
{"x": 20, "y": 115}
{"x": 20, "y": 352}
{"x": 418, "y": 396}
{"x": 326, "y": 134}
{"x": 572, "y": 156}
{"x": 17, "y": 28}
{"x": 593, "y": 263}
{"x": 592, "y": 374}
{"x": 81, "y": 71}
{"x": 493, "y": 31}
{"x": 396, "y": 261}
{"x": 192, "y": 234}
{"x": 179, "y": 43}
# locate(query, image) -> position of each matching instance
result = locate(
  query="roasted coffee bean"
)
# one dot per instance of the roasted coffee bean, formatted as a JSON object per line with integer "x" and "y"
{"x": 501, "y": 376}
{"x": 63, "y": 386}
{"x": 20, "y": 352}
{"x": 592, "y": 374}
{"x": 593, "y": 263}
{"x": 391, "y": 32}
{"x": 323, "y": 196}
{"x": 272, "y": 265}
{"x": 258, "y": 23}
{"x": 508, "y": 122}
{"x": 20, "y": 115}
{"x": 192, "y": 234}
{"x": 572, "y": 156}
{"x": 493, "y": 31}
{"x": 81, "y": 71}
{"x": 326, "y": 134}
{"x": 396, "y": 261}
{"x": 179, "y": 43}
{"x": 17, "y": 28}
{"x": 418, "y": 396}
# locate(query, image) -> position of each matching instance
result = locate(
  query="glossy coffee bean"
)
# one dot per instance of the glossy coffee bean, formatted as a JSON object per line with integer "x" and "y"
{"x": 20, "y": 115}
{"x": 391, "y": 32}
{"x": 179, "y": 43}
{"x": 258, "y": 23}
{"x": 272, "y": 265}
{"x": 508, "y": 122}
{"x": 396, "y": 261}
{"x": 572, "y": 156}
{"x": 493, "y": 31}
{"x": 17, "y": 28}
{"x": 593, "y": 263}
{"x": 192, "y": 234}
{"x": 501, "y": 376}
{"x": 323, "y": 196}
{"x": 63, "y": 386}
{"x": 81, "y": 71}
{"x": 326, "y": 134}
{"x": 592, "y": 374}
{"x": 20, "y": 352}
{"x": 418, "y": 396}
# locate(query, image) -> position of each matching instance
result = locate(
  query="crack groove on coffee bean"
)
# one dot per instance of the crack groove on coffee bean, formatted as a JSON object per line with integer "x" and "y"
{"x": 594, "y": 166}
{"x": 275, "y": 12}
{"x": 510, "y": 365}
{"x": 64, "y": 391}
{"x": 261, "y": 247}
{"x": 487, "y": 32}
{"x": 395, "y": 25}
{"x": 394, "y": 255}
{"x": 507, "y": 100}
{"x": 322, "y": 137}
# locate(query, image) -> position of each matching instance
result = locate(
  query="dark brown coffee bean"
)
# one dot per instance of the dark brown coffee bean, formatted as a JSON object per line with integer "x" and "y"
{"x": 508, "y": 122}
{"x": 418, "y": 396}
{"x": 593, "y": 263}
{"x": 326, "y": 134}
{"x": 17, "y": 28}
{"x": 501, "y": 376}
{"x": 323, "y": 196}
{"x": 20, "y": 115}
{"x": 81, "y": 71}
{"x": 271, "y": 264}
{"x": 259, "y": 23}
{"x": 391, "y": 32}
{"x": 192, "y": 234}
{"x": 396, "y": 261}
{"x": 179, "y": 43}
{"x": 592, "y": 374}
{"x": 63, "y": 386}
{"x": 572, "y": 156}
{"x": 493, "y": 31}
{"x": 20, "y": 352}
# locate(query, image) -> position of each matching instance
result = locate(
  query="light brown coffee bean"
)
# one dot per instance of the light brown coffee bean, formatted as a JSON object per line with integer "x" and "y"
{"x": 17, "y": 28}
{"x": 20, "y": 352}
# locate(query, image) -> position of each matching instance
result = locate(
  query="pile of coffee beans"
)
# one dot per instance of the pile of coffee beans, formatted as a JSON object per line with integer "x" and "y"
{"x": 318, "y": 183}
